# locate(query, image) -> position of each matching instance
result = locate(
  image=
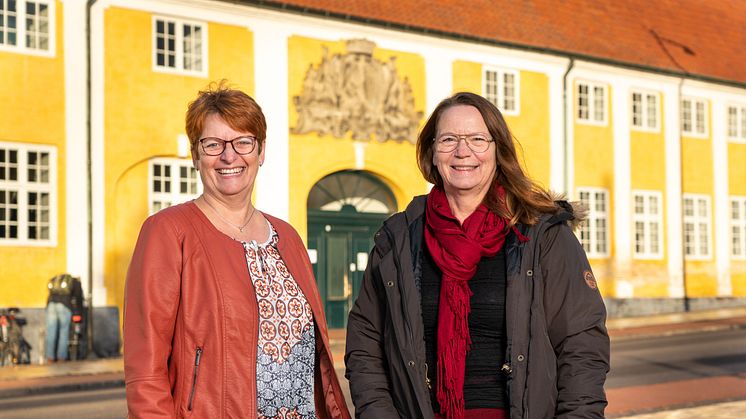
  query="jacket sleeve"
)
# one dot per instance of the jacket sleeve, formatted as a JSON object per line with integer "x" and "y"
{"x": 575, "y": 317}
{"x": 152, "y": 295}
{"x": 364, "y": 355}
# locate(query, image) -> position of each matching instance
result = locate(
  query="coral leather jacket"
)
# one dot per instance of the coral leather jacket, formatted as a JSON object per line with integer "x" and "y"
{"x": 190, "y": 321}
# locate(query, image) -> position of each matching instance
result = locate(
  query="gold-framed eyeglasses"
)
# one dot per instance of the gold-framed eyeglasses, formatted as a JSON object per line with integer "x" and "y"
{"x": 478, "y": 143}
{"x": 213, "y": 146}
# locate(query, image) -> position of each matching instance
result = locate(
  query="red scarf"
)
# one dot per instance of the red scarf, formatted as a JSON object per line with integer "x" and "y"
{"x": 457, "y": 249}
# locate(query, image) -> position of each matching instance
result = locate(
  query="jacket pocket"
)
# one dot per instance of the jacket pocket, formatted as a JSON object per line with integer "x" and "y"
{"x": 195, "y": 374}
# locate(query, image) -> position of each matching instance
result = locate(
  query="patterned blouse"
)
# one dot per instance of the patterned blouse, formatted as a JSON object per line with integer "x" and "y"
{"x": 286, "y": 352}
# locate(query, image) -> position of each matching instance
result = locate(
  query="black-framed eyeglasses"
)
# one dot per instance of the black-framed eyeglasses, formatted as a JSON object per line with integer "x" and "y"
{"x": 478, "y": 143}
{"x": 243, "y": 145}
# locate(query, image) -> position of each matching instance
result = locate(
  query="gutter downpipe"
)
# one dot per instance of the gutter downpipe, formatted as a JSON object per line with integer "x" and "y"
{"x": 687, "y": 301}
{"x": 89, "y": 177}
{"x": 565, "y": 125}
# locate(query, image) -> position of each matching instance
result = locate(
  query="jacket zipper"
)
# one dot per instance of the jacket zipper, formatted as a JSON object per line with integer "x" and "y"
{"x": 197, "y": 358}
{"x": 427, "y": 378}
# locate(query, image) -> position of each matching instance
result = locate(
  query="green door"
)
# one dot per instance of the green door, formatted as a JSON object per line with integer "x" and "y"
{"x": 344, "y": 212}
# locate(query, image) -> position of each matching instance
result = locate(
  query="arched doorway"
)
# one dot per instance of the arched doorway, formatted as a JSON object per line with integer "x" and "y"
{"x": 345, "y": 209}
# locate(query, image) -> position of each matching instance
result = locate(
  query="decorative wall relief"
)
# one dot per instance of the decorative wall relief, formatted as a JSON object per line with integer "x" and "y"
{"x": 358, "y": 93}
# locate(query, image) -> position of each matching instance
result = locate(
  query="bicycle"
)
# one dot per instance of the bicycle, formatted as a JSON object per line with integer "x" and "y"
{"x": 14, "y": 348}
{"x": 76, "y": 350}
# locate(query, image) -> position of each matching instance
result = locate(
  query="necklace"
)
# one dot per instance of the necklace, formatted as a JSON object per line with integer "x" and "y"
{"x": 240, "y": 228}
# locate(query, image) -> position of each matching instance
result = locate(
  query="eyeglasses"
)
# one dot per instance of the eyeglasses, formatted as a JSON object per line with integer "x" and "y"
{"x": 478, "y": 143}
{"x": 241, "y": 145}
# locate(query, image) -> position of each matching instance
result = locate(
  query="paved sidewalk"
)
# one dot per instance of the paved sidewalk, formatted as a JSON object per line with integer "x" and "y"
{"x": 728, "y": 410}
{"x": 107, "y": 373}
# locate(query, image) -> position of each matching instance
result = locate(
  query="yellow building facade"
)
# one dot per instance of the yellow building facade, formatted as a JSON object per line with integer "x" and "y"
{"x": 658, "y": 160}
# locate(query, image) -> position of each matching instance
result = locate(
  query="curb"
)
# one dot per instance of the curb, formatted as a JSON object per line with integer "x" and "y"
{"x": 62, "y": 384}
{"x": 674, "y": 329}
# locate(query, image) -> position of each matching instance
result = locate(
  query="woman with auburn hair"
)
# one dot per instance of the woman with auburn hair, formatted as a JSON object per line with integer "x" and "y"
{"x": 222, "y": 315}
{"x": 478, "y": 300}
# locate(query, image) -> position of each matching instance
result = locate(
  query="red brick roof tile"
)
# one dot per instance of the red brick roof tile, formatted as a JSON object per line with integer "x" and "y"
{"x": 703, "y": 38}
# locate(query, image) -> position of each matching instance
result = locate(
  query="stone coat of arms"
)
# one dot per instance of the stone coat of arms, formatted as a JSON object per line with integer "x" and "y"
{"x": 358, "y": 93}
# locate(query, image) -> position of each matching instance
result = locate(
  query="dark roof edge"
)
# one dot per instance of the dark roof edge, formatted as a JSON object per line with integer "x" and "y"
{"x": 279, "y": 5}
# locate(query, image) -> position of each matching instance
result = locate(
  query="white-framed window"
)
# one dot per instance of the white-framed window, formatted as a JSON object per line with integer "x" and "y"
{"x": 27, "y": 26}
{"x": 738, "y": 227}
{"x": 647, "y": 221}
{"x": 28, "y": 194}
{"x": 591, "y": 103}
{"x": 697, "y": 226}
{"x": 645, "y": 107}
{"x": 737, "y": 123}
{"x": 501, "y": 87}
{"x": 594, "y": 231}
{"x": 171, "y": 182}
{"x": 179, "y": 46}
{"x": 694, "y": 117}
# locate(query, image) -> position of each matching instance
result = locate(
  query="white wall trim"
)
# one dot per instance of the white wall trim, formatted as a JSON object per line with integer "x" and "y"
{"x": 673, "y": 198}
{"x": 439, "y": 80}
{"x": 271, "y": 90}
{"x": 98, "y": 189}
{"x": 622, "y": 178}
{"x": 556, "y": 132}
{"x": 721, "y": 205}
{"x": 76, "y": 174}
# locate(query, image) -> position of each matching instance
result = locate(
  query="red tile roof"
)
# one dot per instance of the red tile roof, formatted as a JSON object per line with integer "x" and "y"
{"x": 703, "y": 38}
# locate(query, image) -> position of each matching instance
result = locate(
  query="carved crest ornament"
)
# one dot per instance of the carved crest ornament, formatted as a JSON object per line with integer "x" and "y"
{"x": 358, "y": 93}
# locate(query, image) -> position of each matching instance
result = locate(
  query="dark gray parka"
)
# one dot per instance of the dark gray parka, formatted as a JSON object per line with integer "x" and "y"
{"x": 557, "y": 347}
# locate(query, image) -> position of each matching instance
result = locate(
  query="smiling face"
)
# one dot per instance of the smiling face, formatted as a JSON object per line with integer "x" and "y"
{"x": 464, "y": 172}
{"x": 229, "y": 175}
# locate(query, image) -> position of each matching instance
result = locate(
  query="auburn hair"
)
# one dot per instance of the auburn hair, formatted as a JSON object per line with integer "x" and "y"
{"x": 239, "y": 110}
{"x": 524, "y": 200}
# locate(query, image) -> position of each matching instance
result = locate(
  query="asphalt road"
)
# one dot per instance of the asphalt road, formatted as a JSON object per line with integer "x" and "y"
{"x": 639, "y": 367}
{"x": 90, "y": 404}
{"x": 680, "y": 357}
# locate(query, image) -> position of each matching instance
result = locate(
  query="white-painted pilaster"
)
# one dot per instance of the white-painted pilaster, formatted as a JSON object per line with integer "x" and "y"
{"x": 557, "y": 131}
{"x": 271, "y": 78}
{"x": 674, "y": 247}
{"x": 620, "y": 93}
{"x": 98, "y": 189}
{"x": 721, "y": 201}
{"x": 76, "y": 102}
{"x": 438, "y": 79}
{"x": 569, "y": 137}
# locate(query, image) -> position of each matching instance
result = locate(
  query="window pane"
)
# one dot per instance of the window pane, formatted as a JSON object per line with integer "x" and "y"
{"x": 637, "y": 109}
{"x": 583, "y": 111}
{"x": 732, "y": 121}
{"x": 639, "y": 237}
{"x": 689, "y": 238}
{"x": 639, "y": 204}
{"x": 654, "y": 242}
{"x": 735, "y": 241}
{"x": 686, "y": 115}
{"x": 702, "y": 208}
{"x": 509, "y": 91}
{"x": 598, "y": 105}
{"x": 491, "y": 87}
{"x": 652, "y": 111}
{"x": 700, "y": 117}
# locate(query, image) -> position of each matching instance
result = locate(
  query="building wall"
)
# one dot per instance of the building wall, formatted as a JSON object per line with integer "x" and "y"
{"x": 313, "y": 156}
{"x": 143, "y": 116}
{"x": 648, "y": 173}
{"x": 737, "y": 187}
{"x": 138, "y": 113}
{"x": 594, "y": 167}
{"x": 32, "y": 92}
